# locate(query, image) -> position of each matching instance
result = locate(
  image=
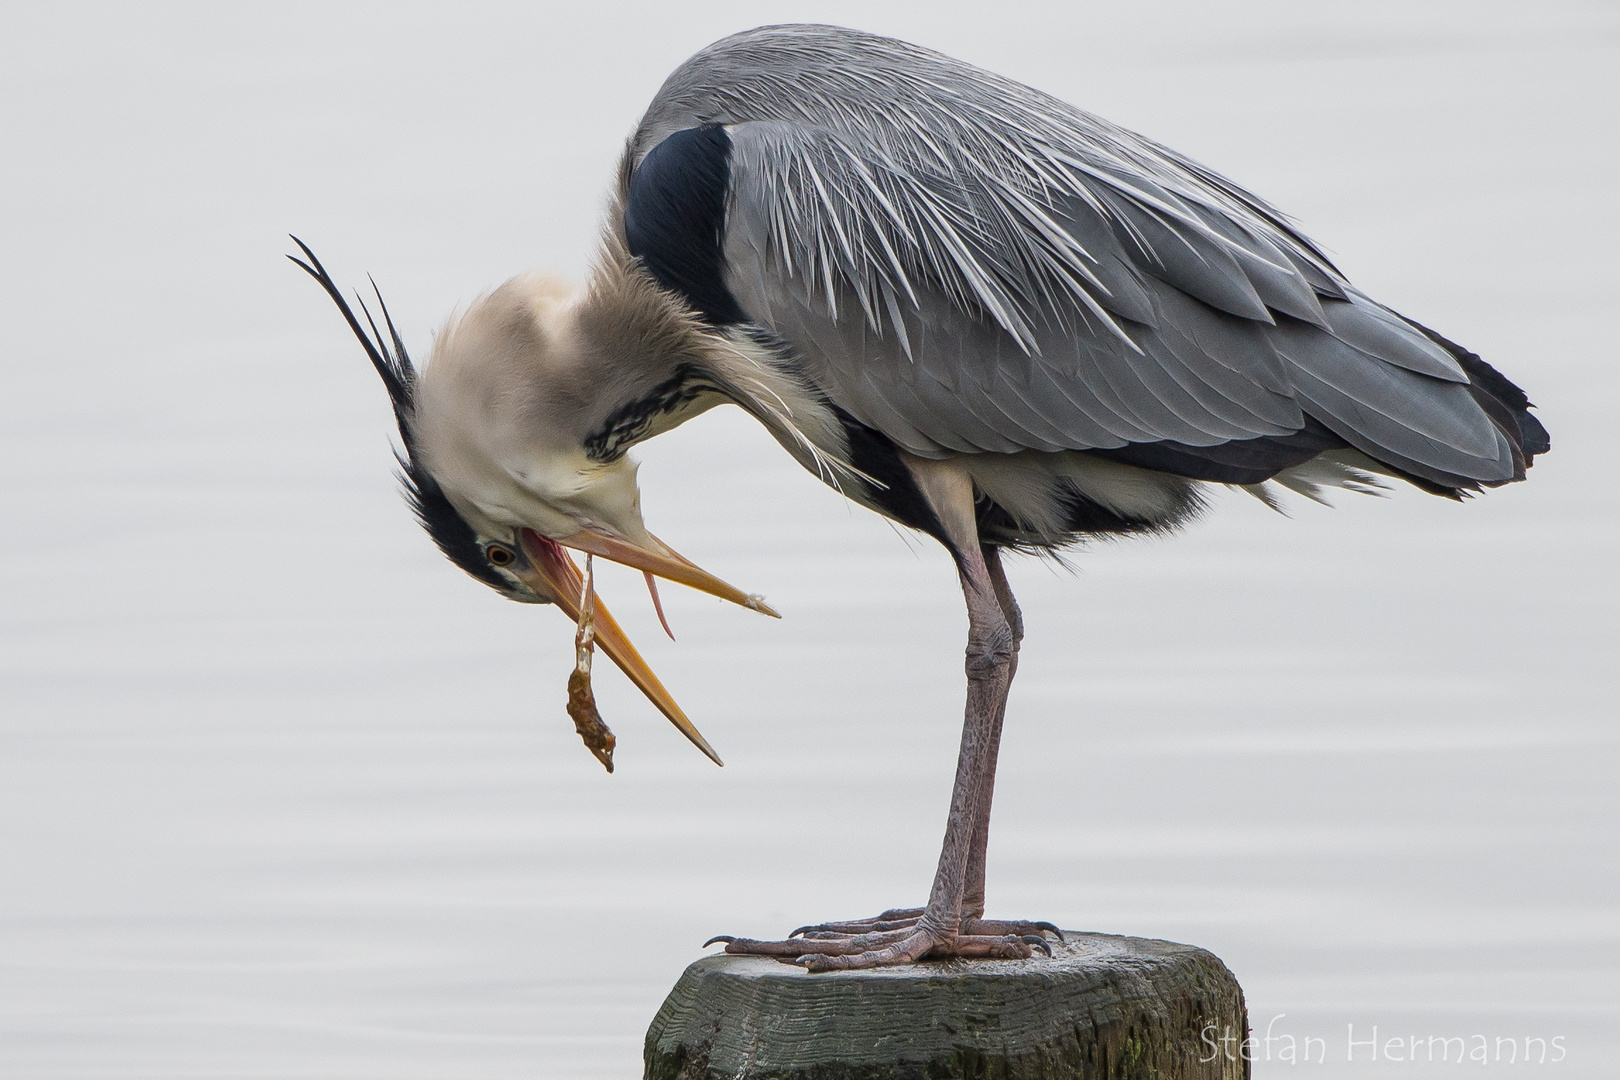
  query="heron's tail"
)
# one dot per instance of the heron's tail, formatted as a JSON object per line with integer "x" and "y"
{"x": 1502, "y": 401}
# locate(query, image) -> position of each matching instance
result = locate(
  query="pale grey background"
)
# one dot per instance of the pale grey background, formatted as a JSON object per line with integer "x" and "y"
{"x": 282, "y": 794}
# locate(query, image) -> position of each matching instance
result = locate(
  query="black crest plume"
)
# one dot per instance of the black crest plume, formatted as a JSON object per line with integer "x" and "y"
{"x": 433, "y": 509}
{"x": 398, "y": 375}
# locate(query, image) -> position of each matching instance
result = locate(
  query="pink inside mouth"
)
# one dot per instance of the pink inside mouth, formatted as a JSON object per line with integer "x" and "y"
{"x": 557, "y": 552}
{"x": 552, "y": 548}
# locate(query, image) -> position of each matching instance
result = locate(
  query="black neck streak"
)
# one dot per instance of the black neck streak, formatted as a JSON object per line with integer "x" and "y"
{"x": 629, "y": 423}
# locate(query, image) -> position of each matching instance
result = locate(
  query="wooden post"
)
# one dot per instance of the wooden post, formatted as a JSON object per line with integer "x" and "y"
{"x": 1100, "y": 1007}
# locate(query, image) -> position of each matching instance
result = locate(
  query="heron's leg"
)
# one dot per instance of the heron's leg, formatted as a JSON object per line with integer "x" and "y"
{"x": 974, "y": 888}
{"x": 989, "y": 663}
{"x": 936, "y": 931}
{"x": 973, "y": 921}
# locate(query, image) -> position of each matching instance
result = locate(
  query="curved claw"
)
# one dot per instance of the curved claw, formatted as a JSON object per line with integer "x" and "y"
{"x": 804, "y": 929}
{"x": 1048, "y": 928}
{"x": 1035, "y": 941}
{"x": 727, "y": 938}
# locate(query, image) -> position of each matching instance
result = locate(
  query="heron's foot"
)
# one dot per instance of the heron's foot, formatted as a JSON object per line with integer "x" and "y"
{"x": 829, "y": 951}
{"x": 893, "y": 919}
{"x": 905, "y": 918}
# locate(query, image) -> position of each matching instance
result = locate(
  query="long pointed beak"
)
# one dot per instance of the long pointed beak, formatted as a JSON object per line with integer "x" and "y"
{"x": 561, "y": 580}
{"x": 666, "y": 564}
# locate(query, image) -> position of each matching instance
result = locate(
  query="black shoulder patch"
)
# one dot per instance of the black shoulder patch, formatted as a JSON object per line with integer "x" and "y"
{"x": 675, "y": 219}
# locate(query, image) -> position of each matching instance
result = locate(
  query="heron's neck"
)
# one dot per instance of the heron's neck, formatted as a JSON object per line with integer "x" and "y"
{"x": 649, "y": 357}
{"x": 684, "y": 366}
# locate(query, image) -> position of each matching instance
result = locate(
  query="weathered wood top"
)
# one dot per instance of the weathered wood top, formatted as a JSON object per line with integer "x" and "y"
{"x": 1101, "y": 1006}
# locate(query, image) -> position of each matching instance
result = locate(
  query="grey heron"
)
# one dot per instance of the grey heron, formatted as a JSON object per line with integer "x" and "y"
{"x": 973, "y": 308}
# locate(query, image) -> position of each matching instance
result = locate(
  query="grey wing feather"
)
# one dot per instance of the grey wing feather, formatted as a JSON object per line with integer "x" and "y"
{"x": 1367, "y": 326}
{"x": 969, "y": 265}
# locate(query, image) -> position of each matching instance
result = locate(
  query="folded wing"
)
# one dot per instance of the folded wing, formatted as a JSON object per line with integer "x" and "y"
{"x": 968, "y": 265}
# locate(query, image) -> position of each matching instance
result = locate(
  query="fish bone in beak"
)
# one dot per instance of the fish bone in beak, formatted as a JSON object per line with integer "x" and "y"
{"x": 555, "y": 575}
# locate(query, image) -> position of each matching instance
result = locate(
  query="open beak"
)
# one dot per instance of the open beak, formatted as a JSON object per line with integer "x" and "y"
{"x": 555, "y": 575}
{"x": 663, "y": 563}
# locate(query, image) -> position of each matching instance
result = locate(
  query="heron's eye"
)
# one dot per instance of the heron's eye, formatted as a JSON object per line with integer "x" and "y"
{"x": 498, "y": 555}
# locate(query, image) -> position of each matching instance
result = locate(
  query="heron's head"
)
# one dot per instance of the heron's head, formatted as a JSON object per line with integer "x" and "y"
{"x": 503, "y": 418}
{"x": 514, "y": 439}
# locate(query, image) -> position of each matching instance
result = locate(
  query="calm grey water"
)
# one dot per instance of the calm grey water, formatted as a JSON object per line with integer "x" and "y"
{"x": 283, "y": 795}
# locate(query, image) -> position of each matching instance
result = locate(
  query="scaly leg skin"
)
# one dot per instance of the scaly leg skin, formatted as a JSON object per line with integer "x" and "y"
{"x": 938, "y": 930}
{"x": 973, "y": 922}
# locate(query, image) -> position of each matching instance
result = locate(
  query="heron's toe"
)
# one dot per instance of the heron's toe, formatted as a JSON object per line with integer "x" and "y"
{"x": 1015, "y": 927}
